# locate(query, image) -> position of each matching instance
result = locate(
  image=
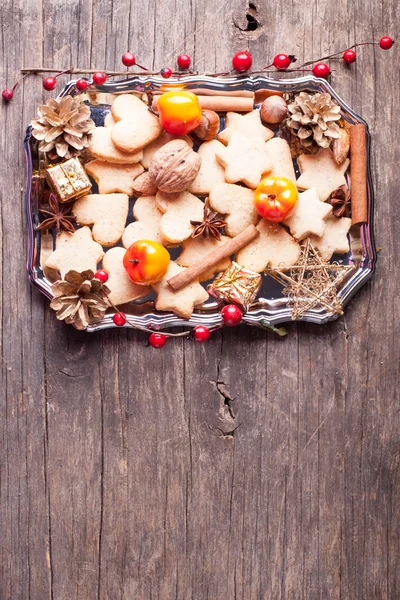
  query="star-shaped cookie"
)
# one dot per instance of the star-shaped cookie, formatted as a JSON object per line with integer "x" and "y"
{"x": 249, "y": 125}
{"x": 244, "y": 159}
{"x": 184, "y": 300}
{"x": 309, "y": 215}
{"x": 122, "y": 289}
{"x": 75, "y": 251}
{"x": 113, "y": 178}
{"x": 321, "y": 171}
{"x": 278, "y": 151}
{"x": 334, "y": 239}
{"x": 148, "y": 222}
{"x": 274, "y": 246}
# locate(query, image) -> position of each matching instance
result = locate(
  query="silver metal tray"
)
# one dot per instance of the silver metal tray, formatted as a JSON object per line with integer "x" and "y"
{"x": 271, "y": 307}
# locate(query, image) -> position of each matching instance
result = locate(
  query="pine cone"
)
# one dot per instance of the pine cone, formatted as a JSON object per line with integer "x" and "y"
{"x": 312, "y": 119}
{"x": 80, "y": 299}
{"x": 63, "y": 127}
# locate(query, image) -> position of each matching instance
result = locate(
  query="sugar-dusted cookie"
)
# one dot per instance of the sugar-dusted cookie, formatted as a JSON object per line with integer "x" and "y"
{"x": 109, "y": 120}
{"x": 194, "y": 249}
{"x": 162, "y": 139}
{"x": 244, "y": 159}
{"x": 106, "y": 212}
{"x": 321, "y": 171}
{"x": 179, "y": 209}
{"x": 334, "y": 239}
{"x": 136, "y": 126}
{"x": 182, "y": 302}
{"x": 75, "y": 251}
{"x": 102, "y": 147}
{"x": 309, "y": 215}
{"x": 278, "y": 151}
{"x": 249, "y": 125}
{"x": 211, "y": 172}
{"x": 148, "y": 222}
{"x": 114, "y": 178}
{"x": 122, "y": 289}
{"x": 273, "y": 247}
{"x": 237, "y": 203}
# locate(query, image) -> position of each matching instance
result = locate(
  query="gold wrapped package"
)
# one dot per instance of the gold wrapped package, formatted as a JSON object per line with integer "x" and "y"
{"x": 68, "y": 180}
{"x": 236, "y": 284}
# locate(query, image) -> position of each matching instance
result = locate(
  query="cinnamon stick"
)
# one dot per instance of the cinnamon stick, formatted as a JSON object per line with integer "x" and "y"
{"x": 213, "y": 258}
{"x": 358, "y": 174}
{"x": 222, "y": 103}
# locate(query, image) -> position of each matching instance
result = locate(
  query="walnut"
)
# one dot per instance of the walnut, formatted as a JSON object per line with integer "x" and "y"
{"x": 174, "y": 166}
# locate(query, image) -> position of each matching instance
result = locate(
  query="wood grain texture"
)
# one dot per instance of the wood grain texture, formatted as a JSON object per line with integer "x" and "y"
{"x": 249, "y": 468}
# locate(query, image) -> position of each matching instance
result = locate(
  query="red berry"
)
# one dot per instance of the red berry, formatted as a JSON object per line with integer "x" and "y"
{"x": 242, "y": 61}
{"x": 201, "y": 334}
{"x": 49, "y": 83}
{"x": 157, "y": 340}
{"x": 82, "y": 84}
{"x": 99, "y": 78}
{"x": 101, "y": 275}
{"x": 321, "y": 70}
{"x": 386, "y": 42}
{"x": 184, "y": 61}
{"x": 166, "y": 72}
{"x": 349, "y": 56}
{"x": 128, "y": 59}
{"x": 7, "y": 95}
{"x": 119, "y": 319}
{"x": 231, "y": 315}
{"x": 282, "y": 61}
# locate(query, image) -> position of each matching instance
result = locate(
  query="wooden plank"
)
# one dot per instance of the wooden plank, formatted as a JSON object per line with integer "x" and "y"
{"x": 251, "y": 467}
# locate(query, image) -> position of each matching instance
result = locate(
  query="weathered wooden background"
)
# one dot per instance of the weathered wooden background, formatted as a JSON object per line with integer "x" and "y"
{"x": 249, "y": 468}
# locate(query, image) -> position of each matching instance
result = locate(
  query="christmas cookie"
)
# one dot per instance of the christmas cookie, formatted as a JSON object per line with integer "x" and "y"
{"x": 101, "y": 146}
{"x": 248, "y": 125}
{"x": 194, "y": 249}
{"x": 179, "y": 210}
{"x": 114, "y": 178}
{"x": 309, "y": 215}
{"x": 135, "y": 125}
{"x": 237, "y": 203}
{"x": 334, "y": 239}
{"x": 244, "y": 159}
{"x": 109, "y": 120}
{"x": 106, "y": 212}
{"x": 122, "y": 289}
{"x": 75, "y": 251}
{"x": 320, "y": 171}
{"x": 278, "y": 151}
{"x": 162, "y": 139}
{"x": 273, "y": 247}
{"x": 148, "y": 222}
{"x": 182, "y": 302}
{"x": 211, "y": 172}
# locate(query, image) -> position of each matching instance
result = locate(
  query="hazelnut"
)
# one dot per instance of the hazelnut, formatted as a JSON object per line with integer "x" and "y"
{"x": 174, "y": 166}
{"x": 273, "y": 110}
{"x": 209, "y": 126}
{"x": 144, "y": 185}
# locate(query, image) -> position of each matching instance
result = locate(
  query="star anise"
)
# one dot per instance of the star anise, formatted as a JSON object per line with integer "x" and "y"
{"x": 210, "y": 225}
{"x": 58, "y": 216}
{"x": 340, "y": 199}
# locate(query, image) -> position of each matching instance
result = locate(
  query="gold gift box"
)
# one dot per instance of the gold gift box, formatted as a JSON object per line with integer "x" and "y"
{"x": 236, "y": 284}
{"x": 68, "y": 180}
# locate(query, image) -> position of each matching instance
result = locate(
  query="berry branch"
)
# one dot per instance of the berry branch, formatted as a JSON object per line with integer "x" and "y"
{"x": 241, "y": 63}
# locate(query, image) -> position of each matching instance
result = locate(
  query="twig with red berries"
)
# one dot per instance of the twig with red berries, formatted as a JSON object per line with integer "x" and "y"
{"x": 242, "y": 62}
